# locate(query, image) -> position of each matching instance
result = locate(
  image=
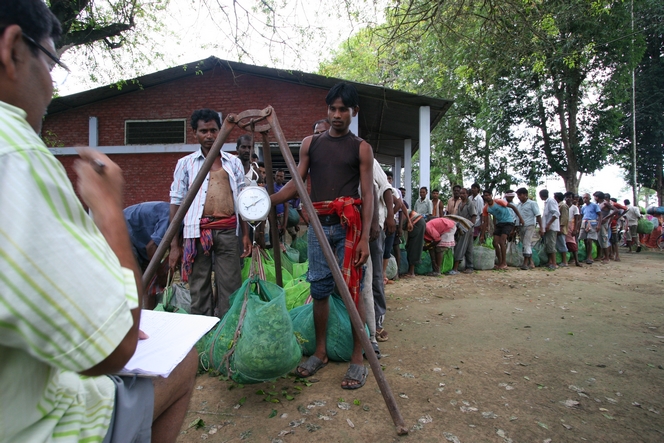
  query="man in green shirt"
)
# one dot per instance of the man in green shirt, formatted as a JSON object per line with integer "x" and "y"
{"x": 70, "y": 289}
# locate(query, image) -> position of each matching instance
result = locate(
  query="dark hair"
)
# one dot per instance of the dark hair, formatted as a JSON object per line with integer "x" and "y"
{"x": 521, "y": 191}
{"x": 243, "y": 137}
{"x": 206, "y": 115}
{"x": 569, "y": 194}
{"x": 424, "y": 187}
{"x": 626, "y": 202}
{"x": 278, "y": 171}
{"x": 317, "y": 122}
{"x": 614, "y": 200}
{"x": 456, "y": 186}
{"x": 254, "y": 155}
{"x": 559, "y": 196}
{"x": 508, "y": 191}
{"x": 389, "y": 174}
{"x": 599, "y": 194}
{"x": 346, "y": 92}
{"x": 475, "y": 185}
{"x": 487, "y": 191}
{"x": 544, "y": 193}
{"x": 33, "y": 16}
{"x": 435, "y": 190}
{"x": 261, "y": 164}
{"x": 607, "y": 195}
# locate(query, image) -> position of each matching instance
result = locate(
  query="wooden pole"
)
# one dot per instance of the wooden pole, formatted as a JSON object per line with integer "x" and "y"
{"x": 355, "y": 319}
{"x": 274, "y": 229}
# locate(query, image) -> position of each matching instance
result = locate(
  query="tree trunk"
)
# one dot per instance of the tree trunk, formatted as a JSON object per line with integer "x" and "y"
{"x": 572, "y": 181}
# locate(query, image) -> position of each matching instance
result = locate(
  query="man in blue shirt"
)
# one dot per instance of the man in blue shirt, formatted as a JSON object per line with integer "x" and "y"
{"x": 592, "y": 217}
{"x": 147, "y": 223}
{"x": 503, "y": 224}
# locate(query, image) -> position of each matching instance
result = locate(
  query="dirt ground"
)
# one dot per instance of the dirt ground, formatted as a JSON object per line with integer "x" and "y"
{"x": 569, "y": 355}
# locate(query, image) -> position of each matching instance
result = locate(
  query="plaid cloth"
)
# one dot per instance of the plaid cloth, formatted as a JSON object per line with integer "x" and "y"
{"x": 347, "y": 210}
{"x": 207, "y": 225}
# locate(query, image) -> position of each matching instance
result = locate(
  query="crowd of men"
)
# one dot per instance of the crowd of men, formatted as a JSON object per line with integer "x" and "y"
{"x": 71, "y": 290}
{"x": 566, "y": 220}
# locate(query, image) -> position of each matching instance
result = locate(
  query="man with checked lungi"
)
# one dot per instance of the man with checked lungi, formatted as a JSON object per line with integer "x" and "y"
{"x": 338, "y": 163}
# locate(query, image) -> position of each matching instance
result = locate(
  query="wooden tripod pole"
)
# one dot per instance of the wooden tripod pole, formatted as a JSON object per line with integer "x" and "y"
{"x": 274, "y": 229}
{"x": 225, "y": 130}
{"x": 355, "y": 319}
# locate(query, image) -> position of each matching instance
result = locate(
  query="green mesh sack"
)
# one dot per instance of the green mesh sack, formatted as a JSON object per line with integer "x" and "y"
{"x": 339, "y": 344}
{"x": 246, "y": 266}
{"x": 484, "y": 258}
{"x": 644, "y": 226}
{"x": 293, "y": 254}
{"x": 297, "y": 292}
{"x": 448, "y": 261}
{"x": 391, "y": 269}
{"x": 300, "y": 270}
{"x": 424, "y": 266}
{"x": 540, "y": 251}
{"x": 301, "y": 245}
{"x": 254, "y": 342}
{"x": 287, "y": 262}
{"x": 514, "y": 254}
{"x": 559, "y": 257}
{"x": 403, "y": 266}
{"x": 581, "y": 253}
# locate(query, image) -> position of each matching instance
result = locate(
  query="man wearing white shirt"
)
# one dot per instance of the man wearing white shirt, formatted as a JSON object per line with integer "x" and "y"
{"x": 632, "y": 216}
{"x": 476, "y": 198}
{"x": 551, "y": 221}
{"x": 423, "y": 205}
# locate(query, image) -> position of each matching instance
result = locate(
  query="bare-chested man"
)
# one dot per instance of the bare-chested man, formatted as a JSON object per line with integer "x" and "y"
{"x": 211, "y": 225}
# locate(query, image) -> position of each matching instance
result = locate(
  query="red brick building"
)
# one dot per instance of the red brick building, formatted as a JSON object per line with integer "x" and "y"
{"x": 143, "y": 125}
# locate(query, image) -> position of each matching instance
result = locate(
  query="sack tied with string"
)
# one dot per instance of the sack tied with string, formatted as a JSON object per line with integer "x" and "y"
{"x": 254, "y": 342}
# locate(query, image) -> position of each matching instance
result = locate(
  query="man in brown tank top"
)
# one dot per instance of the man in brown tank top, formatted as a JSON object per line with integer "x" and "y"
{"x": 211, "y": 225}
{"x": 337, "y": 162}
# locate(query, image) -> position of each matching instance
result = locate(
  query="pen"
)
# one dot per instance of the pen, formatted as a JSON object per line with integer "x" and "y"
{"x": 98, "y": 165}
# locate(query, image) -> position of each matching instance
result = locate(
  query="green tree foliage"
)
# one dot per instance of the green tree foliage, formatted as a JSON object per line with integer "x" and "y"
{"x": 537, "y": 84}
{"x": 123, "y": 32}
{"x": 649, "y": 75}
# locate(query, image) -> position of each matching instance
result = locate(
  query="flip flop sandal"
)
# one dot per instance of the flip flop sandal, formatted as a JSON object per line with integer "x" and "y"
{"x": 356, "y": 373}
{"x": 311, "y": 366}
{"x": 381, "y": 335}
{"x": 376, "y": 350}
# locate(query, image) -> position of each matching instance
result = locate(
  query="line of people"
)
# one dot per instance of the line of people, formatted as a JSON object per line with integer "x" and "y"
{"x": 566, "y": 219}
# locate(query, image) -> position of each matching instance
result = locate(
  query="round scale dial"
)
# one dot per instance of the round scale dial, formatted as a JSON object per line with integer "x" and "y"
{"x": 254, "y": 203}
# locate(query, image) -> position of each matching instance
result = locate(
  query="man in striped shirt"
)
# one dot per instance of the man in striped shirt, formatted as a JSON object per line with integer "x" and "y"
{"x": 212, "y": 223}
{"x": 69, "y": 299}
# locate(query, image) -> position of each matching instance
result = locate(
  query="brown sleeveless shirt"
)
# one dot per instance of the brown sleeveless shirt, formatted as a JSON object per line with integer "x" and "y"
{"x": 334, "y": 166}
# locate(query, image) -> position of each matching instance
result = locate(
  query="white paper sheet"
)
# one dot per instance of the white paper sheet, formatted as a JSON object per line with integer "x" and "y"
{"x": 171, "y": 337}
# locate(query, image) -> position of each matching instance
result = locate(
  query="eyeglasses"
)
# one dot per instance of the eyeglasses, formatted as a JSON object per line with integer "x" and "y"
{"x": 55, "y": 59}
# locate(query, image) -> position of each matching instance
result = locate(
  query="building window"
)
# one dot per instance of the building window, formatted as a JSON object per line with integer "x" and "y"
{"x": 155, "y": 132}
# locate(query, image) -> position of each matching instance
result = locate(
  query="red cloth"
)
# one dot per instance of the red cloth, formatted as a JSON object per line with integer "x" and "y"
{"x": 347, "y": 210}
{"x": 207, "y": 225}
{"x": 436, "y": 228}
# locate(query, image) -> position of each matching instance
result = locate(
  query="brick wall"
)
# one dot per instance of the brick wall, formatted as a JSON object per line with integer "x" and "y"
{"x": 148, "y": 176}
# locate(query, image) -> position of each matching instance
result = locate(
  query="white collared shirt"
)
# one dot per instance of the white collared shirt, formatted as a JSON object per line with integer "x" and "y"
{"x": 185, "y": 173}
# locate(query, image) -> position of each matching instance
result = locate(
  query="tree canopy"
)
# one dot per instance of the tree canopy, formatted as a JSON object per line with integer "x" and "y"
{"x": 538, "y": 85}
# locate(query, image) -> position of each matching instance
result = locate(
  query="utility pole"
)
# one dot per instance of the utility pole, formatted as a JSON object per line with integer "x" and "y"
{"x": 635, "y": 192}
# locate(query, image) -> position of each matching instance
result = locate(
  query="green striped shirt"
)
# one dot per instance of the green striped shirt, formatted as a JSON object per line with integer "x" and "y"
{"x": 65, "y": 300}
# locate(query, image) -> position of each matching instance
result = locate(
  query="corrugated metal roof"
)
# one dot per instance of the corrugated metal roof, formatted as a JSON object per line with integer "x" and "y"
{"x": 387, "y": 116}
